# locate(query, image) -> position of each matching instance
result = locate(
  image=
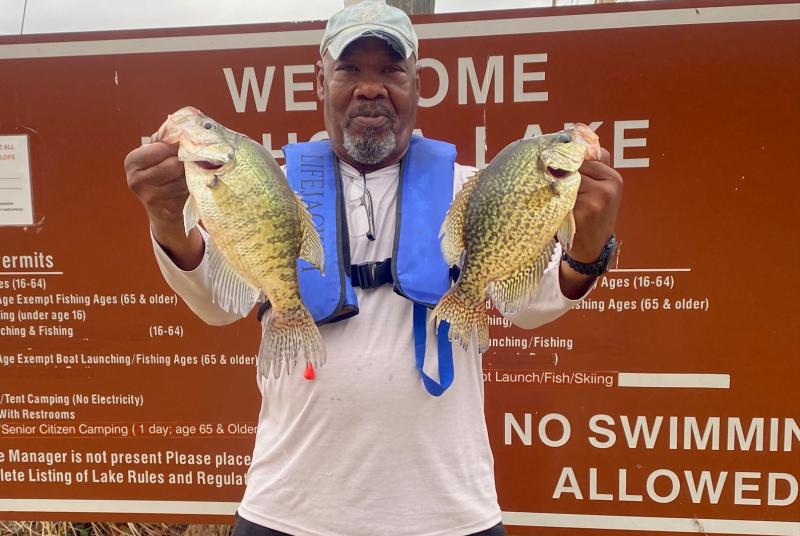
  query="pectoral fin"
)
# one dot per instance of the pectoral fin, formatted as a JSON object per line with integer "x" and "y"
{"x": 190, "y": 215}
{"x": 567, "y": 231}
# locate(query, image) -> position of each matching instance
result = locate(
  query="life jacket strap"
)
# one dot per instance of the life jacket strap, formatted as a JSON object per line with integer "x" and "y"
{"x": 370, "y": 275}
{"x": 444, "y": 354}
{"x": 367, "y": 275}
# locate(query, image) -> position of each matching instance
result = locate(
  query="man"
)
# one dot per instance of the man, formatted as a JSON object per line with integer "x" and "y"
{"x": 365, "y": 449}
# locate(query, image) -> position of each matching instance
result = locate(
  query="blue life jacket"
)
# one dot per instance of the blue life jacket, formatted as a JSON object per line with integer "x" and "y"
{"x": 419, "y": 271}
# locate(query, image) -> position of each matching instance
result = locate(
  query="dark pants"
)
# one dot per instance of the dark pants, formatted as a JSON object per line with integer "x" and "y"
{"x": 244, "y": 527}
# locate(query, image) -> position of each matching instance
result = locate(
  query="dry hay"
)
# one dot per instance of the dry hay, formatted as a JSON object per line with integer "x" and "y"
{"x": 63, "y": 528}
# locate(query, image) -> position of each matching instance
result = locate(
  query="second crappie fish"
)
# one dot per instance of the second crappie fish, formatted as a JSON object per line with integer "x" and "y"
{"x": 259, "y": 226}
{"x": 504, "y": 221}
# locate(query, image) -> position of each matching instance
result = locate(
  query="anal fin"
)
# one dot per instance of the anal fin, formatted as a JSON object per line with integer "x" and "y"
{"x": 228, "y": 289}
{"x": 515, "y": 291}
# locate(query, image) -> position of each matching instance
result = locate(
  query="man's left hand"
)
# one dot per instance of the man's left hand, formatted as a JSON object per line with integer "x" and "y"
{"x": 595, "y": 212}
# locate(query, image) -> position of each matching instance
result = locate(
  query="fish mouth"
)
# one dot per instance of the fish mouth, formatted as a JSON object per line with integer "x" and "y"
{"x": 559, "y": 173}
{"x": 587, "y": 137}
{"x": 210, "y": 157}
{"x": 209, "y": 165}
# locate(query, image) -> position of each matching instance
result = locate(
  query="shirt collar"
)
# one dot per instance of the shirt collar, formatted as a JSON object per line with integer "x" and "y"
{"x": 350, "y": 172}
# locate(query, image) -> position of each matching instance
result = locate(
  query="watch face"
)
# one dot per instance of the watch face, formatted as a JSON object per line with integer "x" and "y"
{"x": 608, "y": 253}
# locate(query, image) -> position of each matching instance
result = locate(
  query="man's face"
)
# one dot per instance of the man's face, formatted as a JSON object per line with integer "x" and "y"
{"x": 370, "y": 101}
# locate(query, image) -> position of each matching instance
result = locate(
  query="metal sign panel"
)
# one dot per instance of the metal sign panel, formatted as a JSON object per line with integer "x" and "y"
{"x": 664, "y": 402}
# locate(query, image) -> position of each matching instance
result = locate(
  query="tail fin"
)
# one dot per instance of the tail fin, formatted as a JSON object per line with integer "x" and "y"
{"x": 285, "y": 336}
{"x": 464, "y": 315}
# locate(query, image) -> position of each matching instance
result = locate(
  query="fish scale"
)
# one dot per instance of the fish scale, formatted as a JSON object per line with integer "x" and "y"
{"x": 259, "y": 226}
{"x": 503, "y": 222}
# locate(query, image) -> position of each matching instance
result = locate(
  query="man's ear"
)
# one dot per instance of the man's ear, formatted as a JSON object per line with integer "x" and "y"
{"x": 320, "y": 72}
{"x": 418, "y": 67}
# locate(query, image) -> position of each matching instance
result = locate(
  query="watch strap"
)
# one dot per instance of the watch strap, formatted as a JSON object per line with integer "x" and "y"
{"x": 598, "y": 267}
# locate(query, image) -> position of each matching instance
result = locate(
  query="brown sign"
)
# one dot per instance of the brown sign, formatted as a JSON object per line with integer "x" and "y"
{"x": 665, "y": 402}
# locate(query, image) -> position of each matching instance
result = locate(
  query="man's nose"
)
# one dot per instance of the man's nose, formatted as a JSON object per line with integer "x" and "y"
{"x": 371, "y": 88}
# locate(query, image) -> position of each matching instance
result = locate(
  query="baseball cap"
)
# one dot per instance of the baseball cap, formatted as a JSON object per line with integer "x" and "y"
{"x": 365, "y": 19}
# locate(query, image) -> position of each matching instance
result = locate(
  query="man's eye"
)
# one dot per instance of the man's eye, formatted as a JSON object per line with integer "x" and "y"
{"x": 347, "y": 68}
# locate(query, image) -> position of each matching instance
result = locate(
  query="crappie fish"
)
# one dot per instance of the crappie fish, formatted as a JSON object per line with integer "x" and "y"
{"x": 504, "y": 221}
{"x": 259, "y": 226}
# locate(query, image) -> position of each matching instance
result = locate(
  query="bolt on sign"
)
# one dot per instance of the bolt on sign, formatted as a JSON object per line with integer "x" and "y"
{"x": 666, "y": 401}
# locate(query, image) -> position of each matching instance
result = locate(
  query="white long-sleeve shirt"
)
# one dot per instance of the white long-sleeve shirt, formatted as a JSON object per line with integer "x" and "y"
{"x": 364, "y": 449}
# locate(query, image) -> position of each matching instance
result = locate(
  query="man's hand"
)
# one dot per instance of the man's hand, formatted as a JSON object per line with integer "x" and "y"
{"x": 155, "y": 176}
{"x": 595, "y": 212}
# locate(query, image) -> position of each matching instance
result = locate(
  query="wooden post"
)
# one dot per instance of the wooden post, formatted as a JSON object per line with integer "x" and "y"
{"x": 414, "y": 7}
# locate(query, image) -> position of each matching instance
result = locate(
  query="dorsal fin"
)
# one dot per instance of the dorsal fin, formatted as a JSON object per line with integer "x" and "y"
{"x": 452, "y": 231}
{"x": 310, "y": 244}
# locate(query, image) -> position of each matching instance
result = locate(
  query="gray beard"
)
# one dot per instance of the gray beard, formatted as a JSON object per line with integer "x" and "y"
{"x": 371, "y": 148}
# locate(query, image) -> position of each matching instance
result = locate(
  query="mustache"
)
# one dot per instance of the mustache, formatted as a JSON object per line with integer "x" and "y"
{"x": 372, "y": 109}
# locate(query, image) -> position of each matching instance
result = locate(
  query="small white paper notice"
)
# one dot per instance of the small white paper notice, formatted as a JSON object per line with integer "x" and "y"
{"x": 16, "y": 207}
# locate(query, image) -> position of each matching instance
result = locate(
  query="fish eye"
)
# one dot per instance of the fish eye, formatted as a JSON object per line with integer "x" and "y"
{"x": 563, "y": 137}
{"x": 208, "y": 125}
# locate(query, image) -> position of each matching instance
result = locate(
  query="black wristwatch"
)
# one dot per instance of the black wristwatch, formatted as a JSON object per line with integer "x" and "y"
{"x": 598, "y": 267}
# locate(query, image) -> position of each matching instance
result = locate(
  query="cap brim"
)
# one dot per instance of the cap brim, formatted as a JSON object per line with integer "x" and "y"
{"x": 345, "y": 38}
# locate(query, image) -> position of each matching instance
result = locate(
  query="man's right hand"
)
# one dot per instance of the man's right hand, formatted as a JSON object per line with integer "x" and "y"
{"x": 156, "y": 177}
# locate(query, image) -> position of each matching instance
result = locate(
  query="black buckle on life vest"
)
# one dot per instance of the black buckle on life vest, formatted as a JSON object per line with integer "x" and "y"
{"x": 262, "y": 309}
{"x": 371, "y": 274}
{"x": 455, "y": 272}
